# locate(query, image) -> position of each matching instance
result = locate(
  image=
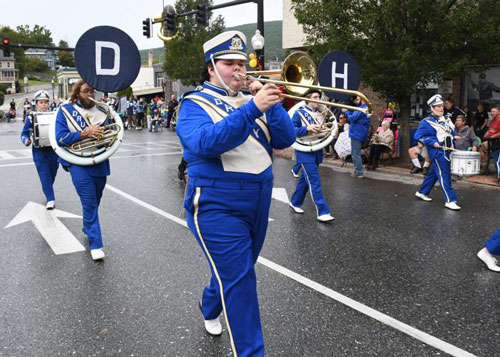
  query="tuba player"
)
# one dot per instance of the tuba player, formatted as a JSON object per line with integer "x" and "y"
{"x": 77, "y": 120}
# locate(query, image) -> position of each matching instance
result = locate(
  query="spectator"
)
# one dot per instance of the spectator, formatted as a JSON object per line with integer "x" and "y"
{"x": 341, "y": 125}
{"x": 140, "y": 114}
{"x": 466, "y": 138}
{"x": 130, "y": 113}
{"x": 480, "y": 122}
{"x": 359, "y": 124}
{"x": 155, "y": 120}
{"x": 414, "y": 152}
{"x": 13, "y": 104}
{"x": 172, "y": 106}
{"x": 469, "y": 116}
{"x": 381, "y": 142}
{"x": 450, "y": 111}
{"x": 493, "y": 145}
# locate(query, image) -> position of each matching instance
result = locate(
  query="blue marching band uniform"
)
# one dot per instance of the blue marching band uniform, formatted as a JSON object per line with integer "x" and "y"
{"x": 439, "y": 130}
{"x": 44, "y": 157}
{"x": 89, "y": 181}
{"x": 309, "y": 162}
{"x": 228, "y": 145}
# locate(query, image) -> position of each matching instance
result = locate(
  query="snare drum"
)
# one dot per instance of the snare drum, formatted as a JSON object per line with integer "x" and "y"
{"x": 41, "y": 124}
{"x": 465, "y": 163}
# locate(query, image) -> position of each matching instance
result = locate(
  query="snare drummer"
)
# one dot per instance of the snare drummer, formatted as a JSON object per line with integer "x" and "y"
{"x": 306, "y": 122}
{"x": 44, "y": 157}
{"x": 437, "y": 133}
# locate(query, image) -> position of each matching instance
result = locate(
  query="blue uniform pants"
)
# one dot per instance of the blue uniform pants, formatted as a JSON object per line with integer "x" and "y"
{"x": 493, "y": 244}
{"x": 229, "y": 220}
{"x": 440, "y": 170}
{"x": 46, "y": 166}
{"x": 296, "y": 168}
{"x": 310, "y": 180}
{"x": 89, "y": 188}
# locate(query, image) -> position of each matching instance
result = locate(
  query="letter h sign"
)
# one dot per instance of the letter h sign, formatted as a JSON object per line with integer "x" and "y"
{"x": 336, "y": 75}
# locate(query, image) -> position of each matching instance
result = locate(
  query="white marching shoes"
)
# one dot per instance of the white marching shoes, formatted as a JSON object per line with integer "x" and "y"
{"x": 325, "y": 218}
{"x": 51, "y": 205}
{"x": 294, "y": 174}
{"x": 488, "y": 259}
{"x": 423, "y": 197}
{"x": 213, "y": 327}
{"x": 452, "y": 205}
{"x": 97, "y": 254}
{"x": 296, "y": 209}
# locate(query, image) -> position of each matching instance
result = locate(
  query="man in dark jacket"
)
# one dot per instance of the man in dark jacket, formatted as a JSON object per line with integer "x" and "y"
{"x": 172, "y": 105}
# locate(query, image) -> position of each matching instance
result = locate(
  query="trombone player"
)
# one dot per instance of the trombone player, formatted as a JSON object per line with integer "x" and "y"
{"x": 307, "y": 120}
{"x": 76, "y": 120}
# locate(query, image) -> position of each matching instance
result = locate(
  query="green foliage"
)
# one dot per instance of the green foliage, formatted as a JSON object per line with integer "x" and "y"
{"x": 39, "y": 35}
{"x": 127, "y": 92}
{"x": 402, "y": 45}
{"x": 3, "y": 87}
{"x": 34, "y": 64}
{"x": 2, "y": 97}
{"x": 184, "y": 53}
{"x": 66, "y": 58}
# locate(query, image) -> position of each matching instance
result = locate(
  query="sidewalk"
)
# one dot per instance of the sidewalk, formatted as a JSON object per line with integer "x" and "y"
{"x": 398, "y": 172}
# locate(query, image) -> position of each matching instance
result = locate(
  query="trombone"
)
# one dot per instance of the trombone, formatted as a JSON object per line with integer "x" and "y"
{"x": 298, "y": 75}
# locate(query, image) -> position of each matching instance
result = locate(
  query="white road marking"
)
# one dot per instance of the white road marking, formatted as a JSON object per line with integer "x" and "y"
{"x": 112, "y": 158}
{"x": 280, "y": 194}
{"x": 57, "y": 236}
{"x": 353, "y": 304}
{"x": 4, "y": 155}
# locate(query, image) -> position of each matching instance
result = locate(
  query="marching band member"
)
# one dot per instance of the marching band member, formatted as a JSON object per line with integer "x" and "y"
{"x": 228, "y": 139}
{"x": 306, "y": 121}
{"x": 437, "y": 133}
{"x": 491, "y": 247}
{"x": 44, "y": 157}
{"x": 76, "y": 120}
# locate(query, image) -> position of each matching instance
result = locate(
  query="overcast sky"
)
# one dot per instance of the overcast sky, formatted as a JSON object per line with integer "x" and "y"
{"x": 69, "y": 19}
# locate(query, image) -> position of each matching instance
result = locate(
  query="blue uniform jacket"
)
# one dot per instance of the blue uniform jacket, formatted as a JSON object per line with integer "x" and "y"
{"x": 27, "y": 134}
{"x": 65, "y": 137}
{"x": 204, "y": 141}
{"x": 427, "y": 134}
{"x": 301, "y": 130}
{"x": 359, "y": 124}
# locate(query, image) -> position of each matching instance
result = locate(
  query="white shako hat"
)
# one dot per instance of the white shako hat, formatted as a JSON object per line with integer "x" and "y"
{"x": 436, "y": 99}
{"x": 41, "y": 95}
{"x": 227, "y": 45}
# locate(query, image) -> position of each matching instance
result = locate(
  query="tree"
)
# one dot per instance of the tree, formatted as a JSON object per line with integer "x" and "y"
{"x": 35, "y": 64}
{"x": 402, "y": 45}
{"x": 66, "y": 58}
{"x": 184, "y": 53}
{"x": 38, "y": 36}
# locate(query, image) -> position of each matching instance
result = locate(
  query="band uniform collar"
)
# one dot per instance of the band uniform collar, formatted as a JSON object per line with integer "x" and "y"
{"x": 217, "y": 89}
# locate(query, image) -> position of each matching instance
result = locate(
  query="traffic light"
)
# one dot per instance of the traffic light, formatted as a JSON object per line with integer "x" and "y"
{"x": 202, "y": 14}
{"x": 6, "y": 46}
{"x": 146, "y": 28}
{"x": 170, "y": 23}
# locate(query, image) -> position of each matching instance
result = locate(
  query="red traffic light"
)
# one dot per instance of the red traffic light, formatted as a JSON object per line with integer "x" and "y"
{"x": 6, "y": 41}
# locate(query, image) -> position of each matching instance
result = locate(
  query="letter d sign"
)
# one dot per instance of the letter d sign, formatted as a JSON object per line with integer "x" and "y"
{"x": 99, "y": 45}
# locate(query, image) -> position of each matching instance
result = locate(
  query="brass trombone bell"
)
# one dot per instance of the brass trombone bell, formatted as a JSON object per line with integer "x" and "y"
{"x": 298, "y": 75}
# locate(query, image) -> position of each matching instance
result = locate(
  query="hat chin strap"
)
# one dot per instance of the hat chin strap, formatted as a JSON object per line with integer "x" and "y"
{"x": 231, "y": 92}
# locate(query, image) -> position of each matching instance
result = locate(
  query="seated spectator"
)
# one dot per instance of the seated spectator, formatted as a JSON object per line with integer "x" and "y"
{"x": 414, "y": 152}
{"x": 155, "y": 120}
{"x": 466, "y": 138}
{"x": 381, "y": 142}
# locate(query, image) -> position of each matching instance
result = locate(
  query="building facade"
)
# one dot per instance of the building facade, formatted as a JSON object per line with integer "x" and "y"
{"x": 8, "y": 74}
{"x": 45, "y": 55}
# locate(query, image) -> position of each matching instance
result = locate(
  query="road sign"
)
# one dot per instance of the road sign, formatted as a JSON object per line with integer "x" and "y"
{"x": 57, "y": 236}
{"x": 339, "y": 69}
{"x": 25, "y": 79}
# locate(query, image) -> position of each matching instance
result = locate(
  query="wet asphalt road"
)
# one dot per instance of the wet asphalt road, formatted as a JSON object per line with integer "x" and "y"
{"x": 410, "y": 260}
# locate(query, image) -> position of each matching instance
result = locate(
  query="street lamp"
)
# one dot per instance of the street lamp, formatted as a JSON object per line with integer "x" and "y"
{"x": 52, "y": 82}
{"x": 258, "y": 42}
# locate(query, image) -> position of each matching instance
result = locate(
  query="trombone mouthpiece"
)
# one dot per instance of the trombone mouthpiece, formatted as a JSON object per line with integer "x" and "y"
{"x": 238, "y": 76}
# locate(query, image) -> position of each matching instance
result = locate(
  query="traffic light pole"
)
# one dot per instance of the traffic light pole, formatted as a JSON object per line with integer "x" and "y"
{"x": 260, "y": 16}
{"x": 22, "y": 45}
